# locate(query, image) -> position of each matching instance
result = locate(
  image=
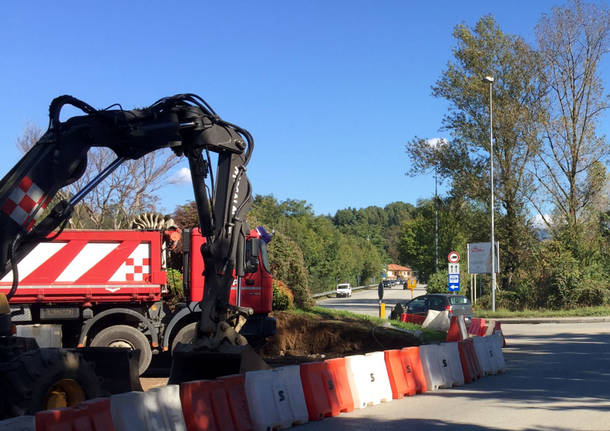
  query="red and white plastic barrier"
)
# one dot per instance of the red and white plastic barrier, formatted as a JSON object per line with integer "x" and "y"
{"x": 157, "y": 409}
{"x": 275, "y": 398}
{"x": 368, "y": 379}
{"x": 281, "y": 397}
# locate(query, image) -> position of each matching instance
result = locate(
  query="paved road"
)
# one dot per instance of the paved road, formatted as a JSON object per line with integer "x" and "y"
{"x": 366, "y": 301}
{"x": 558, "y": 378}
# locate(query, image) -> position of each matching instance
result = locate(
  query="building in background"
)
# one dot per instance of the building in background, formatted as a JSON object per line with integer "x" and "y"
{"x": 395, "y": 272}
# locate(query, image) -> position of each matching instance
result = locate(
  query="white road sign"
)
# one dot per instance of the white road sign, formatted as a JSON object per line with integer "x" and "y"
{"x": 454, "y": 268}
{"x": 479, "y": 258}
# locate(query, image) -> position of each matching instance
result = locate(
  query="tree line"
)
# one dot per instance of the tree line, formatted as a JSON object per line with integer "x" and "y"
{"x": 550, "y": 166}
{"x": 548, "y": 100}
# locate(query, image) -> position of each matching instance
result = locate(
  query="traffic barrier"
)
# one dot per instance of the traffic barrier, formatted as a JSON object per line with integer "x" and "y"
{"x": 436, "y": 367}
{"x": 399, "y": 374}
{"x": 205, "y": 406}
{"x": 484, "y": 353}
{"x": 438, "y": 320}
{"x": 412, "y": 363}
{"x": 368, "y": 379}
{"x": 476, "y": 365}
{"x": 380, "y": 375}
{"x": 497, "y": 357}
{"x": 498, "y": 329}
{"x": 238, "y": 403}
{"x": 20, "y": 423}
{"x": 344, "y": 393}
{"x": 275, "y": 398}
{"x": 156, "y": 409}
{"x": 92, "y": 415}
{"x": 457, "y": 329}
{"x": 470, "y": 364}
{"x": 475, "y": 326}
{"x": 452, "y": 356}
{"x": 320, "y": 390}
{"x": 453, "y": 334}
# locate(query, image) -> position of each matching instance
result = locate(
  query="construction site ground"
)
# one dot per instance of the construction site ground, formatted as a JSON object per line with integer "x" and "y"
{"x": 306, "y": 337}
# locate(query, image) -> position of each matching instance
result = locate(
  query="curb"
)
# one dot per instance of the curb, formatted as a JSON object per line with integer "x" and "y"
{"x": 538, "y": 320}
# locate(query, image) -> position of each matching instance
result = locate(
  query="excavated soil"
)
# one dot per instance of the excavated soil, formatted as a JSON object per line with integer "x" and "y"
{"x": 303, "y": 338}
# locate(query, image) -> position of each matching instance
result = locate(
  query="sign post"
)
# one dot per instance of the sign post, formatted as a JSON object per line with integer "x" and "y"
{"x": 411, "y": 284}
{"x": 453, "y": 282}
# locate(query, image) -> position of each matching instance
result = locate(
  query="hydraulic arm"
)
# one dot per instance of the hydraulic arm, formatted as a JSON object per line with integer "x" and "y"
{"x": 186, "y": 124}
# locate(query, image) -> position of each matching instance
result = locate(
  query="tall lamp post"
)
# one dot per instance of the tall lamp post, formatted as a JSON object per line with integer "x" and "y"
{"x": 490, "y": 80}
{"x": 435, "y": 144}
{"x": 435, "y": 220}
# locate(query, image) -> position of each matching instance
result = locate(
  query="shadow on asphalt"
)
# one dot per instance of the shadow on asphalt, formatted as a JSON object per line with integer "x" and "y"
{"x": 375, "y": 424}
{"x": 570, "y": 369}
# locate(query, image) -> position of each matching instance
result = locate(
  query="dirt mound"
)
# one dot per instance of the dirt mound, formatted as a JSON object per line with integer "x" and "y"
{"x": 302, "y": 338}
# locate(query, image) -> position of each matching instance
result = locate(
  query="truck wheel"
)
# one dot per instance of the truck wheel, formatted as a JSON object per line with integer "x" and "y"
{"x": 186, "y": 335}
{"x": 45, "y": 379}
{"x": 125, "y": 336}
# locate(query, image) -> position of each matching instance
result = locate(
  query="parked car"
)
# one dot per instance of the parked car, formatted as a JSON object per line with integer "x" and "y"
{"x": 344, "y": 289}
{"x": 387, "y": 284}
{"x": 456, "y": 305}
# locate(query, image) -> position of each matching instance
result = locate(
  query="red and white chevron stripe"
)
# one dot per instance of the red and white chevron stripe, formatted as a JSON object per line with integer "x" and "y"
{"x": 92, "y": 263}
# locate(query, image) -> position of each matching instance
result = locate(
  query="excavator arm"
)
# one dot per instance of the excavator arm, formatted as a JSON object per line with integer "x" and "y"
{"x": 186, "y": 124}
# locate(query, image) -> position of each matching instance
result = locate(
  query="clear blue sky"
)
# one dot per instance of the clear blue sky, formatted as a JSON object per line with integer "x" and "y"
{"x": 331, "y": 90}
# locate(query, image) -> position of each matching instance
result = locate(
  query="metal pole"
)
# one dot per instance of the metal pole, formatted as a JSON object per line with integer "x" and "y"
{"x": 435, "y": 221}
{"x": 491, "y": 162}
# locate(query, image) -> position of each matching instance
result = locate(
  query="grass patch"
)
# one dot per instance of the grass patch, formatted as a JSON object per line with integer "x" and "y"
{"x": 428, "y": 335}
{"x": 575, "y": 312}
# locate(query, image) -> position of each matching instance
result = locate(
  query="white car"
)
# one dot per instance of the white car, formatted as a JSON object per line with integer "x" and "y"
{"x": 344, "y": 289}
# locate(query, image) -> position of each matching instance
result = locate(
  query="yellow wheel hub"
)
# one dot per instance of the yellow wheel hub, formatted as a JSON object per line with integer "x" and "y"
{"x": 64, "y": 393}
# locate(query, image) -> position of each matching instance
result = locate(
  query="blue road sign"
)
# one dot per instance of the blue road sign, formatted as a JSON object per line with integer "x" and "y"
{"x": 454, "y": 282}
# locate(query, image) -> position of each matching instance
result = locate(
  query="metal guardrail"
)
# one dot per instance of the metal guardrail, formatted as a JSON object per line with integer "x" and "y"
{"x": 332, "y": 292}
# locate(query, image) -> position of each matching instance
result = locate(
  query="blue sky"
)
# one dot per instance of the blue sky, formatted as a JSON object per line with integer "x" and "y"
{"x": 331, "y": 90}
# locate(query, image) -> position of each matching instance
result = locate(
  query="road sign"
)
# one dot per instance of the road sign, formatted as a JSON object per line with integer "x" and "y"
{"x": 454, "y": 268}
{"x": 453, "y": 257}
{"x": 454, "y": 282}
{"x": 412, "y": 283}
{"x": 479, "y": 258}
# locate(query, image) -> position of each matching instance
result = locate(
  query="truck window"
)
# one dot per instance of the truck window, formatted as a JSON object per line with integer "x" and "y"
{"x": 265, "y": 258}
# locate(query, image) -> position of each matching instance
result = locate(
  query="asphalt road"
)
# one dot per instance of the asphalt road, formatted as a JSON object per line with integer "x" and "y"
{"x": 366, "y": 301}
{"x": 557, "y": 378}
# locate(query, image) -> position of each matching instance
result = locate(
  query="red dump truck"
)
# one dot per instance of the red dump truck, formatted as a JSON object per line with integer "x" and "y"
{"x": 108, "y": 288}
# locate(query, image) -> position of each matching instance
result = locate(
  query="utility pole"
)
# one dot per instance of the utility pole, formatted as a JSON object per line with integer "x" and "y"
{"x": 490, "y": 81}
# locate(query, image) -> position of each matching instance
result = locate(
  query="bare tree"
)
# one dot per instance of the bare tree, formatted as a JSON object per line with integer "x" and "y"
{"x": 572, "y": 40}
{"x": 127, "y": 192}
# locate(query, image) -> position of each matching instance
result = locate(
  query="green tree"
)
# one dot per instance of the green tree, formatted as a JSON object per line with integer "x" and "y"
{"x": 287, "y": 265}
{"x": 572, "y": 41}
{"x": 518, "y": 110}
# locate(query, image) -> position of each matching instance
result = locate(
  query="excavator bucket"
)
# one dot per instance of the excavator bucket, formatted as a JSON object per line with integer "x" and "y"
{"x": 189, "y": 363}
{"x": 117, "y": 368}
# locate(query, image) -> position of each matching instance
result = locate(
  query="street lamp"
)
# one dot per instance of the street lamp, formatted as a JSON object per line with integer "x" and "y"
{"x": 490, "y": 80}
{"x": 434, "y": 144}
{"x": 435, "y": 220}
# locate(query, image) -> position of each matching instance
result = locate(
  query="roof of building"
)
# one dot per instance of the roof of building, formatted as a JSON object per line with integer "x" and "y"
{"x": 394, "y": 267}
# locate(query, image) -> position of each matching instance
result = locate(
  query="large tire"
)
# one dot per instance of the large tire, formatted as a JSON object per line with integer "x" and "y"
{"x": 187, "y": 334}
{"x": 42, "y": 379}
{"x": 125, "y": 336}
